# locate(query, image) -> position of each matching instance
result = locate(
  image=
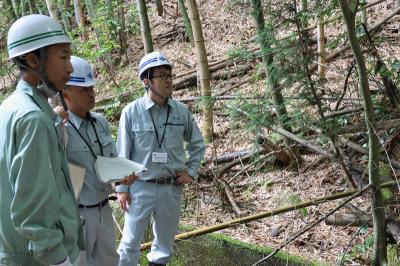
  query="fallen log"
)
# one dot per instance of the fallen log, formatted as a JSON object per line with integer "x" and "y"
{"x": 364, "y": 151}
{"x": 265, "y": 214}
{"x": 348, "y": 219}
{"x": 394, "y": 123}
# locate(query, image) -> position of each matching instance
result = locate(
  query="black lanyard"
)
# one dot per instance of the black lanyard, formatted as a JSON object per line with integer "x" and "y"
{"x": 155, "y": 128}
{"x": 87, "y": 143}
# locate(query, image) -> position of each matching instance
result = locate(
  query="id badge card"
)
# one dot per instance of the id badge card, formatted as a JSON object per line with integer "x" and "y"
{"x": 159, "y": 157}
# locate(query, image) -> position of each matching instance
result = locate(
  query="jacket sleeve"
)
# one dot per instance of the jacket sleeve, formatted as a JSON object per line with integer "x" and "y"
{"x": 34, "y": 208}
{"x": 195, "y": 147}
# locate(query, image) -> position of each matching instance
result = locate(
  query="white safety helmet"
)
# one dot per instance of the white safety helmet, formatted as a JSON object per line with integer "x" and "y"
{"x": 83, "y": 73}
{"x": 153, "y": 59}
{"x": 32, "y": 32}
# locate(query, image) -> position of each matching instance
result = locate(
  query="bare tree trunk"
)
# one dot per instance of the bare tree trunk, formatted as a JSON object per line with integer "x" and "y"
{"x": 160, "y": 8}
{"x": 380, "y": 241}
{"x": 122, "y": 28}
{"x": 321, "y": 48}
{"x": 303, "y": 5}
{"x": 16, "y": 7}
{"x": 51, "y": 7}
{"x": 145, "y": 26}
{"x": 204, "y": 73}
{"x": 268, "y": 61}
{"x": 25, "y": 9}
{"x": 106, "y": 57}
{"x": 65, "y": 6}
{"x": 79, "y": 13}
{"x": 80, "y": 17}
{"x": 186, "y": 21}
{"x": 32, "y": 7}
{"x": 364, "y": 16}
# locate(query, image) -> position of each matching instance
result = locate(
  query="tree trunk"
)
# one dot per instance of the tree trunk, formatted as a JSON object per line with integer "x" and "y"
{"x": 106, "y": 57}
{"x": 186, "y": 21}
{"x": 9, "y": 9}
{"x": 380, "y": 242}
{"x": 79, "y": 13}
{"x": 364, "y": 17}
{"x": 160, "y": 8}
{"x": 51, "y": 7}
{"x": 32, "y": 7}
{"x": 204, "y": 73}
{"x": 122, "y": 28}
{"x": 268, "y": 62}
{"x": 144, "y": 26}
{"x": 321, "y": 48}
{"x": 25, "y": 7}
{"x": 16, "y": 7}
{"x": 65, "y": 6}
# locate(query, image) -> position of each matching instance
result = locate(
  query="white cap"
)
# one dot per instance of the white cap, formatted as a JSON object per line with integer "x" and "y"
{"x": 32, "y": 32}
{"x": 153, "y": 59}
{"x": 83, "y": 73}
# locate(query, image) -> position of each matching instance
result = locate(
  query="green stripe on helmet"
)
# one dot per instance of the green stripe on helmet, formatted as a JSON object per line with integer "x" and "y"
{"x": 35, "y": 38}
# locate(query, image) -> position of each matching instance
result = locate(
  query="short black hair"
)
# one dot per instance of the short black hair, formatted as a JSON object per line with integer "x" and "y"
{"x": 20, "y": 61}
{"x": 149, "y": 73}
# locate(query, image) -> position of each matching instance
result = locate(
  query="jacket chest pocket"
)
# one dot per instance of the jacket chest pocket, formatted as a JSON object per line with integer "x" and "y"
{"x": 174, "y": 135}
{"x": 107, "y": 144}
{"x": 143, "y": 135}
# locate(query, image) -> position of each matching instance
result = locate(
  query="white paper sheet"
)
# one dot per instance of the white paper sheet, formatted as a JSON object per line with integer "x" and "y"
{"x": 115, "y": 169}
{"x": 77, "y": 174}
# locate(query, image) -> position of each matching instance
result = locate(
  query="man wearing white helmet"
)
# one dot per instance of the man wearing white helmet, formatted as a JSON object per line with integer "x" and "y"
{"x": 153, "y": 131}
{"x": 39, "y": 222}
{"x": 89, "y": 137}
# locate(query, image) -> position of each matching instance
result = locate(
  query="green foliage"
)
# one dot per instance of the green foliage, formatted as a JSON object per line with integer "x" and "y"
{"x": 240, "y": 53}
{"x": 360, "y": 253}
{"x": 387, "y": 194}
{"x": 393, "y": 255}
{"x": 132, "y": 19}
{"x": 293, "y": 200}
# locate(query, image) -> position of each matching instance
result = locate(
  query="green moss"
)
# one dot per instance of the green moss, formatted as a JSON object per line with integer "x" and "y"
{"x": 219, "y": 249}
{"x": 393, "y": 255}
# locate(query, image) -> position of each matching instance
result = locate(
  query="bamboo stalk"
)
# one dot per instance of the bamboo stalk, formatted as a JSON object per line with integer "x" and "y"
{"x": 265, "y": 214}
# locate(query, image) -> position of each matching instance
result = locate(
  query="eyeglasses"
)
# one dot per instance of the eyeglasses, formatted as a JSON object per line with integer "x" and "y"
{"x": 163, "y": 76}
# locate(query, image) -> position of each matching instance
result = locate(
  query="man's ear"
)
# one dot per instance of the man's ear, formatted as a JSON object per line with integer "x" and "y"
{"x": 32, "y": 60}
{"x": 146, "y": 82}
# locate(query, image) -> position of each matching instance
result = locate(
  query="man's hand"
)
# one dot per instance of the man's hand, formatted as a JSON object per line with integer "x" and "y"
{"x": 128, "y": 180}
{"x": 124, "y": 200}
{"x": 183, "y": 178}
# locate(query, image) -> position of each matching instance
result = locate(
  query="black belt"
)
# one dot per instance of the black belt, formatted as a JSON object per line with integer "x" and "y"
{"x": 163, "y": 181}
{"x": 100, "y": 204}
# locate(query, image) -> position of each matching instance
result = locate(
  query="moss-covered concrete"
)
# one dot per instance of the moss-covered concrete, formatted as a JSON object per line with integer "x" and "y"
{"x": 221, "y": 250}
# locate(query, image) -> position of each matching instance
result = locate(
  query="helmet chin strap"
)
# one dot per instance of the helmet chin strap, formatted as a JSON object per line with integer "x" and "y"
{"x": 157, "y": 93}
{"x": 45, "y": 86}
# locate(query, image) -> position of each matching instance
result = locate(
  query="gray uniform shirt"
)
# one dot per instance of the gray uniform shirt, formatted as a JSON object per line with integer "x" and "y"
{"x": 137, "y": 138}
{"x": 93, "y": 191}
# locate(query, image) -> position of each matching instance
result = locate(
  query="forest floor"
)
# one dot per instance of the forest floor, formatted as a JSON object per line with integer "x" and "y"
{"x": 227, "y": 27}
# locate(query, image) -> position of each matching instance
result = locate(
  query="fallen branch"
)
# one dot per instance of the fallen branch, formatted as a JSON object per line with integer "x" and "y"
{"x": 265, "y": 214}
{"x": 230, "y": 196}
{"x": 364, "y": 151}
{"x": 394, "y": 123}
{"x": 308, "y": 227}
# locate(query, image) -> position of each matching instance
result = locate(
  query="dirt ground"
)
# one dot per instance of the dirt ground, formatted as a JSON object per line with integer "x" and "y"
{"x": 227, "y": 25}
